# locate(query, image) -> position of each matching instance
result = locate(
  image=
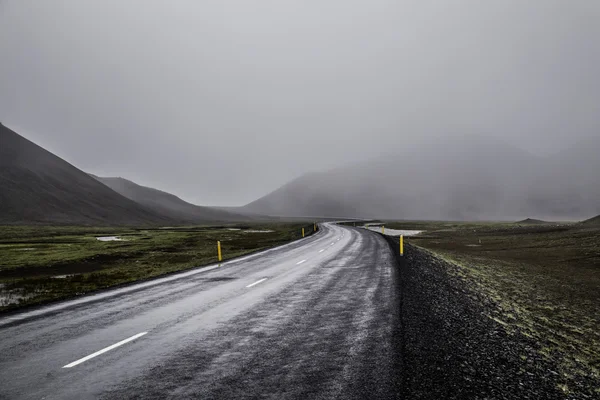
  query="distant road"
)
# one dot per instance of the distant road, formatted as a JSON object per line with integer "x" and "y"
{"x": 312, "y": 319}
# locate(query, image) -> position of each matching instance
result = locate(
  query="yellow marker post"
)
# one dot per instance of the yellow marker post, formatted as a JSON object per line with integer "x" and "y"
{"x": 382, "y": 229}
{"x": 302, "y": 232}
{"x": 219, "y": 251}
{"x": 401, "y": 245}
{"x": 315, "y": 227}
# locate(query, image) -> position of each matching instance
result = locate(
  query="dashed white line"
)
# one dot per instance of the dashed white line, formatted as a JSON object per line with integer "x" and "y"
{"x": 300, "y": 262}
{"x": 320, "y": 251}
{"x": 257, "y": 282}
{"x": 104, "y": 350}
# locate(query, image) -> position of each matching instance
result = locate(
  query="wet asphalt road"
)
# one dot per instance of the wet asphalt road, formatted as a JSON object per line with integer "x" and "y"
{"x": 312, "y": 319}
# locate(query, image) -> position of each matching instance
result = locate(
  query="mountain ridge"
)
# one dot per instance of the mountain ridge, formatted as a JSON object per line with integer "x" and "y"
{"x": 166, "y": 203}
{"x": 593, "y": 221}
{"x": 38, "y": 187}
{"x": 456, "y": 178}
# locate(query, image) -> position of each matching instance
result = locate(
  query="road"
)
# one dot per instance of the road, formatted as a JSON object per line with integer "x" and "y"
{"x": 311, "y": 319}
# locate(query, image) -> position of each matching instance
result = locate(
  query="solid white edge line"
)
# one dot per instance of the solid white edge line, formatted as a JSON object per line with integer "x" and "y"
{"x": 104, "y": 350}
{"x": 142, "y": 285}
{"x": 257, "y": 282}
{"x": 298, "y": 263}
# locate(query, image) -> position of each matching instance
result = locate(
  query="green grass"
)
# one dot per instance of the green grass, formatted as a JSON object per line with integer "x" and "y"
{"x": 545, "y": 279}
{"x": 42, "y": 264}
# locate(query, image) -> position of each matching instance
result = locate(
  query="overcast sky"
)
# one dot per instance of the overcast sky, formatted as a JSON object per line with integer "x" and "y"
{"x": 221, "y": 101}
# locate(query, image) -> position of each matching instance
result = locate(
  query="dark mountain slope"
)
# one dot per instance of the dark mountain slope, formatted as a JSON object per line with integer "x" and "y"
{"x": 167, "y": 204}
{"x": 37, "y": 187}
{"x": 593, "y": 221}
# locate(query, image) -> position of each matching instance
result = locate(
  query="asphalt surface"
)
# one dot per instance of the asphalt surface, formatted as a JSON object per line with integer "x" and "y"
{"x": 313, "y": 319}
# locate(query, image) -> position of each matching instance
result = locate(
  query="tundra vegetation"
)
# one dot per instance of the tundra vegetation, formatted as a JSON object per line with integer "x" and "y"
{"x": 543, "y": 277}
{"x": 39, "y": 264}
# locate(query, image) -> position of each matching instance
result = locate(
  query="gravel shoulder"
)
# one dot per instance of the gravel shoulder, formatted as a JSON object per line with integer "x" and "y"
{"x": 451, "y": 347}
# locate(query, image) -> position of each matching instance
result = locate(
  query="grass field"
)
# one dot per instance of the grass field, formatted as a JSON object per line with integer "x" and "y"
{"x": 545, "y": 279}
{"x": 42, "y": 264}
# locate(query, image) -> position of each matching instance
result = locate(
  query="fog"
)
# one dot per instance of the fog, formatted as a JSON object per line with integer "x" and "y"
{"x": 222, "y": 101}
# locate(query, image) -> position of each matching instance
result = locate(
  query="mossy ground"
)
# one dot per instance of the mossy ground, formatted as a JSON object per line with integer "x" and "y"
{"x": 544, "y": 278}
{"x": 42, "y": 264}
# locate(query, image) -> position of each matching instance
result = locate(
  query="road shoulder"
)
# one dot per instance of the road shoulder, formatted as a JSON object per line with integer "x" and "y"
{"x": 451, "y": 347}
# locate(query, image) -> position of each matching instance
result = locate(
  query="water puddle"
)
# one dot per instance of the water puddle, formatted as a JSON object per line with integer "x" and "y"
{"x": 394, "y": 232}
{"x": 10, "y": 297}
{"x": 109, "y": 239}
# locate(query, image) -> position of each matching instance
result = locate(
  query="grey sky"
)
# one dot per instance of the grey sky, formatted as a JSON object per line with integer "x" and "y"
{"x": 220, "y": 101}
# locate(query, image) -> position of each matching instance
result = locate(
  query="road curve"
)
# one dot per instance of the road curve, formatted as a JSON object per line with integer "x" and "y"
{"x": 311, "y": 319}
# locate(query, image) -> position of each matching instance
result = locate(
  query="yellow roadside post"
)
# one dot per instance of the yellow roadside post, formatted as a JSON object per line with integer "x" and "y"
{"x": 302, "y": 232}
{"x": 401, "y": 245}
{"x": 219, "y": 251}
{"x": 383, "y": 229}
{"x": 315, "y": 227}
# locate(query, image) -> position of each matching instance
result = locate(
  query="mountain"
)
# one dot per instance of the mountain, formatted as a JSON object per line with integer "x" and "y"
{"x": 168, "y": 204}
{"x": 37, "y": 187}
{"x": 470, "y": 177}
{"x": 593, "y": 221}
{"x": 531, "y": 221}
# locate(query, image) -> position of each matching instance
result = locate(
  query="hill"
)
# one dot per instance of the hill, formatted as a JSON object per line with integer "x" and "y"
{"x": 531, "y": 221}
{"x": 445, "y": 180}
{"x": 37, "y": 187}
{"x": 592, "y": 221}
{"x": 465, "y": 178}
{"x": 168, "y": 204}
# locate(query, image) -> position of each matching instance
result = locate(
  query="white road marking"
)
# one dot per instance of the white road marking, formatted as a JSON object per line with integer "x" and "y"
{"x": 257, "y": 282}
{"x": 320, "y": 251}
{"x": 298, "y": 263}
{"x": 104, "y": 350}
{"x": 138, "y": 286}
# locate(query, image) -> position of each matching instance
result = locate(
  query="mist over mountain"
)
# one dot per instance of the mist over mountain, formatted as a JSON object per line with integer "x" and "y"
{"x": 168, "y": 204}
{"x": 38, "y": 187}
{"x": 464, "y": 178}
{"x": 471, "y": 177}
{"x": 568, "y": 183}
{"x": 230, "y": 100}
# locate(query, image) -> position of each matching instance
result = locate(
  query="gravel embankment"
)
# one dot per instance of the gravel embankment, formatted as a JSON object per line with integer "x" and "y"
{"x": 451, "y": 349}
